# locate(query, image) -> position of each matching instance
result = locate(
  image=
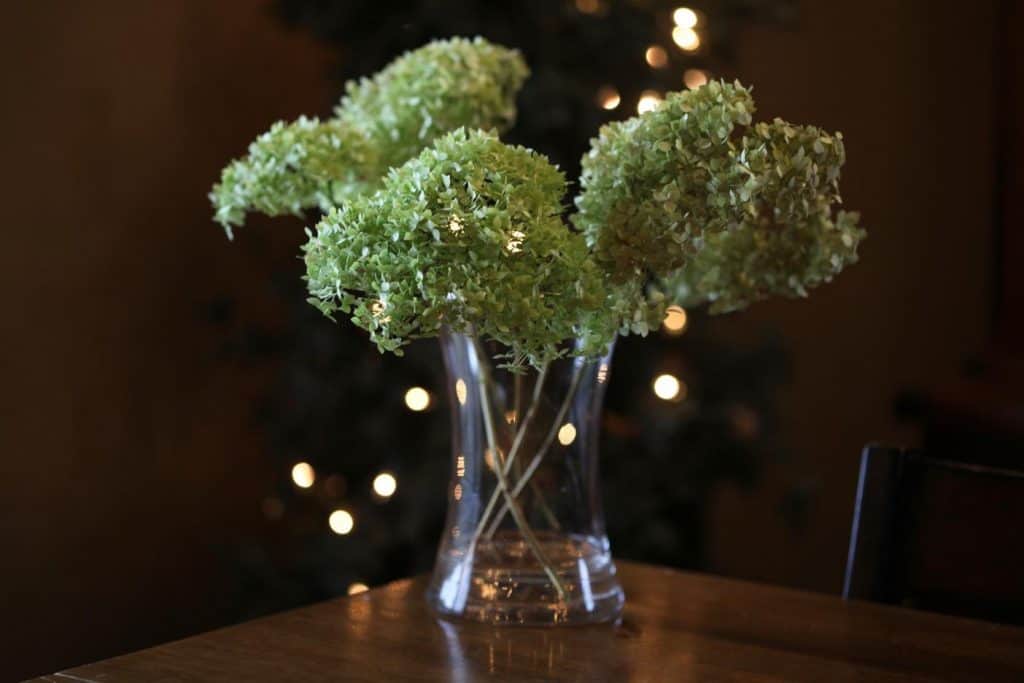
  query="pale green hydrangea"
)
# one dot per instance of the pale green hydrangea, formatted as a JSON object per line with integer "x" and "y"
{"x": 434, "y": 90}
{"x": 380, "y": 123}
{"x": 712, "y": 209}
{"x": 293, "y": 167}
{"x": 653, "y": 184}
{"x": 690, "y": 203}
{"x": 790, "y": 239}
{"x": 468, "y": 234}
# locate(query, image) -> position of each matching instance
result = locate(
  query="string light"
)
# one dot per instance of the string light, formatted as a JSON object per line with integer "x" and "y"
{"x": 608, "y": 98}
{"x": 455, "y": 224}
{"x": 675, "y": 320}
{"x": 602, "y": 373}
{"x": 694, "y": 78}
{"x": 460, "y": 392}
{"x": 303, "y": 475}
{"x": 341, "y": 522}
{"x": 656, "y": 56}
{"x": 567, "y": 434}
{"x": 685, "y": 17}
{"x": 417, "y": 399}
{"x": 385, "y": 485}
{"x": 686, "y": 38}
{"x": 357, "y": 588}
{"x": 649, "y": 101}
{"x": 668, "y": 388}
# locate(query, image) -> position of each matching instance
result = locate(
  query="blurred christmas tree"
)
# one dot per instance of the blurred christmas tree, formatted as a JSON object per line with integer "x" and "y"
{"x": 361, "y": 438}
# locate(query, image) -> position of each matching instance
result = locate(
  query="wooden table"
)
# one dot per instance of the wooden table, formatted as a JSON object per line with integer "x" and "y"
{"x": 678, "y": 627}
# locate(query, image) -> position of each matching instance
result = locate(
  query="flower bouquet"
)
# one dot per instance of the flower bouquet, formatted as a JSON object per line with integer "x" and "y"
{"x": 433, "y": 227}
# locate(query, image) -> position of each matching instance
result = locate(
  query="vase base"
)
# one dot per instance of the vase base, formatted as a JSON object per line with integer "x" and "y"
{"x": 502, "y": 583}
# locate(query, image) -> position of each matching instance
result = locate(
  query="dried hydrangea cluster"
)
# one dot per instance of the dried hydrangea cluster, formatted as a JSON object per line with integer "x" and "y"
{"x": 713, "y": 209}
{"x": 468, "y": 234}
{"x": 432, "y": 221}
{"x": 379, "y": 123}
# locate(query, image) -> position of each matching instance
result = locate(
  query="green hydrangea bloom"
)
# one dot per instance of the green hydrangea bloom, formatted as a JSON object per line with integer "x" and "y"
{"x": 380, "y": 123}
{"x": 713, "y": 209}
{"x": 468, "y": 234}
{"x": 789, "y": 239}
{"x": 293, "y": 167}
{"x": 653, "y": 184}
{"x": 436, "y": 89}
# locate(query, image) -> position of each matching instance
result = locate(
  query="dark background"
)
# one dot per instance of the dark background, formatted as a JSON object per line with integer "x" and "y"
{"x": 129, "y": 454}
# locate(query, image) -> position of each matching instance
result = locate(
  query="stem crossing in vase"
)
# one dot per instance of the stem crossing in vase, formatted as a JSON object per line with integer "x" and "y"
{"x": 524, "y": 540}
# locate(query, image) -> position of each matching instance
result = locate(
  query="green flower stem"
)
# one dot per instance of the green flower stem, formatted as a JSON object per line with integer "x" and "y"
{"x": 516, "y": 443}
{"x": 541, "y": 452}
{"x": 512, "y": 505}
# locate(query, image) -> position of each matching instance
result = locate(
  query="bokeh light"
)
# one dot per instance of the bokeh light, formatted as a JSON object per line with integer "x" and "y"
{"x": 668, "y": 387}
{"x": 649, "y": 101}
{"x": 567, "y": 434}
{"x": 694, "y": 78}
{"x": 685, "y": 17}
{"x": 675, "y": 320}
{"x": 656, "y": 56}
{"x": 357, "y": 588}
{"x": 608, "y": 98}
{"x": 341, "y": 522}
{"x": 417, "y": 399}
{"x": 385, "y": 484}
{"x": 686, "y": 38}
{"x": 303, "y": 475}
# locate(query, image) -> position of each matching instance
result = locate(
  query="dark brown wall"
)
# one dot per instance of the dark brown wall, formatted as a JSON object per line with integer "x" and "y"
{"x": 126, "y": 449}
{"x": 910, "y": 84}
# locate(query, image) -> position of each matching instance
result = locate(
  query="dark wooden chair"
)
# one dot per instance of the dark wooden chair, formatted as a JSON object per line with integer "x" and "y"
{"x": 938, "y": 535}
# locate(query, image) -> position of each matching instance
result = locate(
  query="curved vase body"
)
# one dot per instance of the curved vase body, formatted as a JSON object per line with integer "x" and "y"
{"x": 544, "y": 559}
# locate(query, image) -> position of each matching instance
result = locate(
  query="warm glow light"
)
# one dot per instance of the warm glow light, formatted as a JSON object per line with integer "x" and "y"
{"x": 686, "y": 38}
{"x": 457, "y": 492}
{"x": 649, "y": 101}
{"x": 667, "y": 387}
{"x": 602, "y": 373}
{"x": 567, "y": 434}
{"x": 675, "y": 320}
{"x": 685, "y": 17}
{"x": 455, "y": 224}
{"x": 385, "y": 485}
{"x": 417, "y": 399}
{"x": 588, "y": 6}
{"x": 515, "y": 242}
{"x": 303, "y": 475}
{"x": 694, "y": 78}
{"x": 341, "y": 522}
{"x": 460, "y": 392}
{"x": 357, "y": 588}
{"x": 608, "y": 98}
{"x": 656, "y": 56}
{"x": 460, "y": 466}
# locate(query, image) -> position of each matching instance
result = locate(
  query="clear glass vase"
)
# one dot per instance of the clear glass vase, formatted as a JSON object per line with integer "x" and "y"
{"x": 524, "y": 541}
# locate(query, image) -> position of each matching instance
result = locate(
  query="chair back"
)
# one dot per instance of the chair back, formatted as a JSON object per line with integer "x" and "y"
{"x": 938, "y": 535}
